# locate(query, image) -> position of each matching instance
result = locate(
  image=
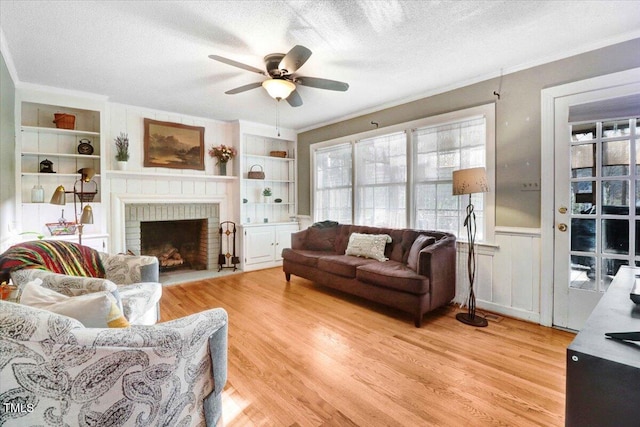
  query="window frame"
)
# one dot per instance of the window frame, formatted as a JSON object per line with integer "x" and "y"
{"x": 488, "y": 111}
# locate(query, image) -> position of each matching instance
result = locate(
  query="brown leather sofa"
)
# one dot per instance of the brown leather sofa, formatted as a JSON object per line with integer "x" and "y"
{"x": 419, "y": 276}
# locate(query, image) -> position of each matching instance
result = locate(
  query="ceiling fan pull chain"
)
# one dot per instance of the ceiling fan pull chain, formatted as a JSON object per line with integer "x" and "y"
{"x": 278, "y": 116}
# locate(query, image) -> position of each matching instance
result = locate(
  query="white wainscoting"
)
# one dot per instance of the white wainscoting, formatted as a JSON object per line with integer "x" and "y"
{"x": 507, "y": 275}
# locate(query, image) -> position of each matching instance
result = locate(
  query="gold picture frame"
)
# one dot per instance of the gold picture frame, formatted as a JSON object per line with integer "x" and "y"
{"x": 173, "y": 145}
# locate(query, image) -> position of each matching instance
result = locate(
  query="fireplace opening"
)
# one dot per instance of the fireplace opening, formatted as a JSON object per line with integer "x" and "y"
{"x": 178, "y": 244}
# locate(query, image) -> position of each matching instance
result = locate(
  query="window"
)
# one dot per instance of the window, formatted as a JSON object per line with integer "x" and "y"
{"x": 333, "y": 178}
{"x": 381, "y": 170}
{"x": 401, "y": 176}
{"x": 438, "y": 151}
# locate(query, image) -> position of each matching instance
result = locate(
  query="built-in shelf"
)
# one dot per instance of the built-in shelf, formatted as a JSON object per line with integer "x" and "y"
{"x": 260, "y": 156}
{"x": 286, "y": 181}
{"x": 269, "y": 203}
{"x": 51, "y": 154}
{"x": 40, "y": 139}
{"x": 55, "y": 174}
{"x": 262, "y": 223}
{"x": 173, "y": 176}
{"x": 56, "y": 131}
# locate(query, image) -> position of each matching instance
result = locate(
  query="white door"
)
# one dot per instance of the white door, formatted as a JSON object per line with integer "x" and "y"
{"x": 259, "y": 244}
{"x": 597, "y": 192}
{"x": 283, "y": 239}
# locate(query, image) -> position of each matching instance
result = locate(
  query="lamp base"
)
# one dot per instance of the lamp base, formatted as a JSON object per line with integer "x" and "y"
{"x": 472, "y": 320}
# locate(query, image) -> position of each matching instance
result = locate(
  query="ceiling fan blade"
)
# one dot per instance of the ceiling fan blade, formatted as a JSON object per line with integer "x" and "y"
{"x": 294, "y": 99}
{"x": 322, "y": 83}
{"x": 243, "y": 88}
{"x": 237, "y": 64}
{"x": 294, "y": 59}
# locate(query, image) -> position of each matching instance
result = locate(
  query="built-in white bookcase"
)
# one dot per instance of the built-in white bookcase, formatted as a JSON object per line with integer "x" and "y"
{"x": 39, "y": 140}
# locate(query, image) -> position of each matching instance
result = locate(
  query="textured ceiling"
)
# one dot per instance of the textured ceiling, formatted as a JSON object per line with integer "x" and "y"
{"x": 155, "y": 53}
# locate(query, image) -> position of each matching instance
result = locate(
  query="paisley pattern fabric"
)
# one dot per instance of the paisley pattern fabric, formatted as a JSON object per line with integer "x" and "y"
{"x": 140, "y": 301}
{"x": 66, "y": 285}
{"x": 55, "y": 372}
{"x": 132, "y": 280}
{"x": 129, "y": 269}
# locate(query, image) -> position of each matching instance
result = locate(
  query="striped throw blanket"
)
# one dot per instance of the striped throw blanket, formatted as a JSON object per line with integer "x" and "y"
{"x": 55, "y": 256}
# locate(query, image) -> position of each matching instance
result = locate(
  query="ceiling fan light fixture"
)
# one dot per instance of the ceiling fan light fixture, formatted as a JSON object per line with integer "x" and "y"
{"x": 278, "y": 88}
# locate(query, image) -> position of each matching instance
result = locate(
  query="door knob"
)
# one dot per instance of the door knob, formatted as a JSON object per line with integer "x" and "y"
{"x": 562, "y": 227}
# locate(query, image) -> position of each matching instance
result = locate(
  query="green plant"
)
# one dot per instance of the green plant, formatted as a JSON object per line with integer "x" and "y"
{"x": 266, "y": 192}
{"x": 122, "y": 147}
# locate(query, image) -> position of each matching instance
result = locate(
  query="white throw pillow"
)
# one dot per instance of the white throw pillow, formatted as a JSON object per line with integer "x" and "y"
{"x": 94, "y": 310}
{"x": 368, "y": 245}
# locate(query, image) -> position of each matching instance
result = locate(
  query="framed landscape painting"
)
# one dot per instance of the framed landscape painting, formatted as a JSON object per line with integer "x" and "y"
{"x": 173, "y": 145}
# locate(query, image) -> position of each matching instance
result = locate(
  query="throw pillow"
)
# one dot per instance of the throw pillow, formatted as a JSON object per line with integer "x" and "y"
{"x": 421, "y": 242}
{"x": 321, "y": 239}
{"x": 368, "y": 245}
{"x": 94, "y": 310}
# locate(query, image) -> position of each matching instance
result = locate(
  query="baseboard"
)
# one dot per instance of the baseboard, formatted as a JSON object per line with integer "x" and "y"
{"x": 508, "y": 311}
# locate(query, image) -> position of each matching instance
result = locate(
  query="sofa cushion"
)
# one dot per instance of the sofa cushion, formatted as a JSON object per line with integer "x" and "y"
{"x": 393, "y": 274}
{"x": 321, "y": 239}
{"x": 368, "y": 245}
{"x": 94, "y": 310}
{"x": 304, "y": 257}
{"x": 421, "y": 242}
{"x": 343, "y": 265}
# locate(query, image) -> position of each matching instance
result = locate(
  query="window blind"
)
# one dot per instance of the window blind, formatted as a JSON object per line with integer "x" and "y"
{"x": 381, "y": 176}
{"x": 438, "y": 151}
{"x": 333, "y": 184}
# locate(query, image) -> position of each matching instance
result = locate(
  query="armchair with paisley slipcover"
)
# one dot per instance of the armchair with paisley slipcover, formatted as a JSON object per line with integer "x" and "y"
{"x": 54, "y": 371}
{"x": 72, "y": 269}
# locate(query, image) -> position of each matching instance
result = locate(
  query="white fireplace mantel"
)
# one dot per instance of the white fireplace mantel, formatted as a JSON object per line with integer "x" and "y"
{"x": 172, "y": 176}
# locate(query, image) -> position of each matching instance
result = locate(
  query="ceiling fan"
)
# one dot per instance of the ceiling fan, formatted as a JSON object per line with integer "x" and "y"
{"x": 281, "y": 83}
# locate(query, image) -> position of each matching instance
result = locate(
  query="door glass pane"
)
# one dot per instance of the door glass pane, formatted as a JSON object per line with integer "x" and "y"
{"x": 583, "y": 235}
{"x": 615, "y": 236}
{"x": 615, "y": 128}
{"x": 583, "y": 132}
{"x": 637, "y": 237}
{"x": 582, "y": 197}
{"x": 583, "y": 272}
{"x": 583, "y": 160}
{"x": 638, "y": 152}
{"x": 615, "y": 197}
{"x": 615, "y": 158}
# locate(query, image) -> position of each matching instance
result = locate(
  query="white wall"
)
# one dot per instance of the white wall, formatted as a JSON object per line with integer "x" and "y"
{"x": 143, "y": 184}
{"x": 507, "y": 275}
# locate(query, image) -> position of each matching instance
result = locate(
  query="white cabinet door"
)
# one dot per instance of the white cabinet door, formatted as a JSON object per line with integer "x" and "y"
{"x": 259, "y": 244}
{"x": 283, "y": 239}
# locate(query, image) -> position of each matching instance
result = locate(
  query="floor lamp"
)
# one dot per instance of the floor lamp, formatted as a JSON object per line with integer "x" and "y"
{"x": 59, "y": 198}
{"x": 469, "y": 181}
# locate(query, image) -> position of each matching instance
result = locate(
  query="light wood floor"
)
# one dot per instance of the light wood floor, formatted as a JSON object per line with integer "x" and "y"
{"x": 302, "y": 355}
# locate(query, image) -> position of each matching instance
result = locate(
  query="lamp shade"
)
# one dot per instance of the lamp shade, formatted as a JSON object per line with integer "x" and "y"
{"x": 87, "y": 215}
{"x": 87, "y": 174}
{"x": 58, "y": 197}
{"x": 468, "y": 181}
{"x": 278, "y": 88}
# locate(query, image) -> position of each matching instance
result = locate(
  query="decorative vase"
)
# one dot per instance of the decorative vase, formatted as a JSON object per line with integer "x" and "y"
{"x": 121, "y": 165}
{"x": 223, "y": 168}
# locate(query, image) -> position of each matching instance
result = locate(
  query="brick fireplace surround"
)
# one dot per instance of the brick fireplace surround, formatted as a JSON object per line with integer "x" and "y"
{"x": 135, "y": 213}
